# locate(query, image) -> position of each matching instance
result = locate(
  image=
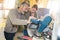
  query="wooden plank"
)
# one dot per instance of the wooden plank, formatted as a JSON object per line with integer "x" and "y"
{"x": 1, "y": 1}
{"x": 43, "y": 3}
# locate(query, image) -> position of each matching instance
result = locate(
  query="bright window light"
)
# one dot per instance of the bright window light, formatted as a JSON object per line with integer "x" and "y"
{"x": 58, "y": 30}
{"x": 53, "y": 6}
{"x": 1, "y": 12}
{"x": 1, "y": 5}
{"x": 10, "y": 4}
{"x": 6, "y": 13}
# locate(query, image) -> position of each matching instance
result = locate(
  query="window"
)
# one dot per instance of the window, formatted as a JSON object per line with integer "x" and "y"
{"x": 5, "y": 6}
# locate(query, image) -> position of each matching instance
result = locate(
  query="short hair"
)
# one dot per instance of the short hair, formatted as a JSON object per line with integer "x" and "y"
{"x": 23, "y": 3}
{"x": 35, "y": 6}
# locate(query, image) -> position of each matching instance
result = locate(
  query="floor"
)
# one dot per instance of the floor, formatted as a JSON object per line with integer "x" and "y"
{"x": 2, "y": 24}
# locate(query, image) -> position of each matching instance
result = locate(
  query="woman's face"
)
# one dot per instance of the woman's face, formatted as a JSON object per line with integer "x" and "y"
{"x": 33, "y": 10}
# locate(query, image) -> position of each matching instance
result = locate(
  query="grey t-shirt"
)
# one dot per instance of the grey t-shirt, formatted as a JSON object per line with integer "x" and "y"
{"x": 11, "y": 19}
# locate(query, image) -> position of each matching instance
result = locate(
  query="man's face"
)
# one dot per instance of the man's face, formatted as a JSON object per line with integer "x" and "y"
{"x": 33, "y": 10}
{"x": 25, "y": 8}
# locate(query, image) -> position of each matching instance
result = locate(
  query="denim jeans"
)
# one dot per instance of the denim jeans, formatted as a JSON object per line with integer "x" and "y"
{"x": 58, "y": 38}
{"x": 9, "y": 36}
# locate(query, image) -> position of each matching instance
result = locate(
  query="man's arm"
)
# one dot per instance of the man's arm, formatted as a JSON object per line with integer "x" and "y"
{"x": 15, "y": 20}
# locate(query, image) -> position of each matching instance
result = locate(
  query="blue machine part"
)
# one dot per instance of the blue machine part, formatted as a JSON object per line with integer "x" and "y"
{"x": 25, "y": 32}
{"x": 44, "y": 23}
{"x": 34, "y": 21}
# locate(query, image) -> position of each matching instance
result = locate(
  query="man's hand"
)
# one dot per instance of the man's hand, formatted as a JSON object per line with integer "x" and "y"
{"x": 27, "y": 21}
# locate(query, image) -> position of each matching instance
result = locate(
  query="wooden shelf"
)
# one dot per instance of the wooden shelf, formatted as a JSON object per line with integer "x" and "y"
{"x": 1, "y": 1}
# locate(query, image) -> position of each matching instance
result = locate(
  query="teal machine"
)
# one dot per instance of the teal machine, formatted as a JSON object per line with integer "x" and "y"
{"x": 37, "y": 27}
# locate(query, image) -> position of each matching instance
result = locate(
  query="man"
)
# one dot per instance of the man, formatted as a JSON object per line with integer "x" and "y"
{"x": 16, "y": 17}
